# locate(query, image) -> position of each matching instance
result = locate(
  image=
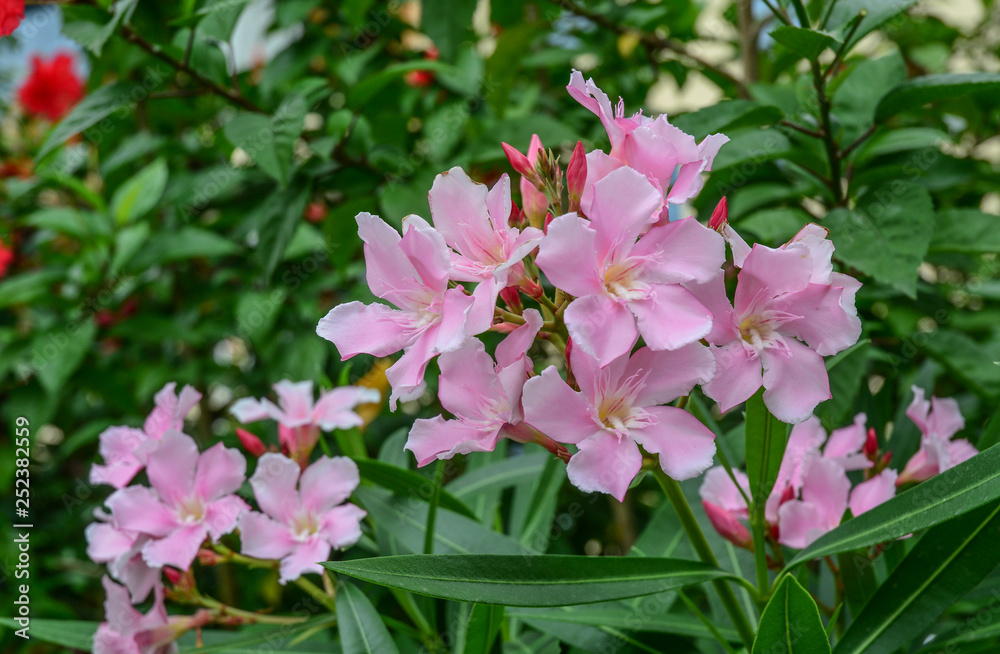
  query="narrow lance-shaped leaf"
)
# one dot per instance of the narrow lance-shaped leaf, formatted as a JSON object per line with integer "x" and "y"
{"x": 791, "y": 623}
{"x": 409, "y": 484}
{"x": 515, "y": 580}
{"x": 958, "y": 490}
{"x": 948, "y": 562}
{"x": 361, "y": 629}
{"x": 766, "y": 438}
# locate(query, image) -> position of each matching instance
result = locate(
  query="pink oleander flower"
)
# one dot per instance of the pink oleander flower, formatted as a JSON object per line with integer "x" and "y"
{"x": 191, "y": 499}
{"x": 626, "y": 285}
{"x": 826, "y": 494}
{"x": 121, "y": 550}
{"x": 649, "y": 145}
{"x": 473, "y": 222}
{"x": 124, "y": 449}
{"x": 938, "y": 420}
{"x": 725, "y": 506}
{"x": 790, "y": 311}
{"x": 300, "y": 418}
{"x": 484, "y": 397}
{"x": 617, "y": 409}
{"x": 411, "y": 272}
{"x": 300, "y": 527}
{"x": 127, "y": 631}
{"x": 533, "y": 202}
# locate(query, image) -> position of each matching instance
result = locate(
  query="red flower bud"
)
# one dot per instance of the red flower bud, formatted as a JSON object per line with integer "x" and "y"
{"x": 251, "y": 443}
{"x": 720, "y": 216}
{"x": 576, "y": 176}
{"x": 315, "y": 212}
{"x": 548, "y": 219}
{"x": 173, "y": 575}
{"x": 518, "y": 161}
{"x": 871, "y": 444}
{"x": 512, "y": 298}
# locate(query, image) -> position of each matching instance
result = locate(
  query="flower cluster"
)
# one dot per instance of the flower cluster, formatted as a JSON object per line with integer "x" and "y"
{"x": 813, "y": 489}
{"x": 635, "y": 304}
{"x": 192, "y": 499}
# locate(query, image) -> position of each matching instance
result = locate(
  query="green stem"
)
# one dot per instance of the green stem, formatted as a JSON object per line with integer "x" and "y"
{"x": 707, "y": 622}
{"x": 676, "y": 496}
{"x": 260, "y": 618}
{"x": 829, "y": 144}
{"x": 313, "y": 591}
{"x": 432, "y": 509}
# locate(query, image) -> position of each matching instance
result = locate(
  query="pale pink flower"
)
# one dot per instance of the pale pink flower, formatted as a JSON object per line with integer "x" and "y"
{"x": 825, "y": 496}
{"x": 649, "y": 145}
{"x": 190, "y": 500}
{"x": 938, "y": 420}
{"x": 484, "y": 397}
{"x": 301, "y": 526}
{"x": 127, "y": 631}
{"x": 124, "y": 449}
{"x": 725, "y": 506}
{"x": 300, "y": 418}
{"x": 626, "y": 285}
{"x": 617, "y": 409}
{"x": 473, "y": 222}
{"x": 790, "y": 311}
{"x": 121, "y": 550}
{"x": 411, "y": 272}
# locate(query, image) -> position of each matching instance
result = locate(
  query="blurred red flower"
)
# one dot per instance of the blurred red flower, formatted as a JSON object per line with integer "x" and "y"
{"x": 11, "y": 15}
{"x": 52, "y": 88}
{"x": 6, "y": 258}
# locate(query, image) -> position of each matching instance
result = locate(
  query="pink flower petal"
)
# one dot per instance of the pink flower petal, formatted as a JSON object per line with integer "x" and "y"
{"x": 389, "y": 271}
{"x": 177, "y": 549}
{"x": 712, "y": 295}
{"x": 681, "y": 251}
{"x": 568, "y": 256}
{"x": 305, "y": 557}
{"x": 454, "y": 328}
{"x": 437, "y": 438}
{"x": 824, "y": 324}
{"x": 374, "y": 329}
{"x": 768, "y": 273}
{"x": 335, "y": 408}
{"x": 342, "y": 526}
{"x": 601, "y": 326}
{"x": 945, "y": 419}
{"x": 468, "y": 386}
{"x": 624, "y": 201}
{"x": 427, "y": 252}
{"x": 249, "y": 409}
{"x": 138, "y": 509}
{"x": 296, "y": 401}
{"x": 221, "y": 515}
{"x": 605, "y": 464}
{"x": 106, "y": 543}
{"x": 595, "y": 100}
{"x": 459, "y": 208}
{"x": 671, "y": 317}
{"x": 826, "y": 486}
{"x": 795, "y": 382}
{"x": 171, "y": 467}
{"x": 670, "y": 374}
{"x": 264, "y": 538}
{"x": 869, "y": 494}
{"x": 737, "y": 375}
{"x": 558, "y": 411}
{"x": 273, "y": 484}
{"x": 686, "y": 447}
{"x": 221, "y": 471}
{"x": 599, "y": 164}
{"x": 328, "y": 482}
{"x": 718, "y": 488}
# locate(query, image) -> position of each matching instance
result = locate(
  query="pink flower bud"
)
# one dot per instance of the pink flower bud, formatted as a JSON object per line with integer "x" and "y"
{"x": 251, "y": 443}
{"x": 518, "y": 161}
{"x": 871, "y": 444}
{"x": 531, "y": 288}
{"x": 728, "y": 526}
{"x": 576, "y": 176}
{"x": 512, "y": 298}
{"x": 173, "y": 575}
{"x": 208, "y": 557}
{"x": 548, "y": 219}
{"x": 720, "y": 217}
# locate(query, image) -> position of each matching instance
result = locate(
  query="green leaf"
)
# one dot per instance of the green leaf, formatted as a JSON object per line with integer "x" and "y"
{"x": 64, "y": 220}
{"x": 59, "y": 353}
{"x": 766, "y": 440}
{"x": 92, "y": 109}
{"x": 900, "y": 140}
{"x": 955, "y": 491}
{"x": 476, "y": 627}
{"x": 128, "y": 240}
{"x": 71, "y": 634}
{"x": 948, "y": 562}
{"x": 931, "y": 88}
{"x": 855, "y": 99}
{"x": 858, "y": 575}
{"x": 25, "y": 287}
{"x": 846, "y": 370}
{"x": 409, "y": 484}
{"x": 540, "y": 580}
{"x": 122, "y": 12}
{"x": 447, "y": 23}
{"x": 270, "y": 141}
{"x": 791, "y": 623}
{"x": 369, "y": 86}
{"x": 140, "y": 193}
{"x": 965, "y": 231}
{"x": 498, "y": 476}
{"x": 726, "y": 116}
{"x": 845, "y": 11}
{"x": 804, "y": 42}
{"x": 752, "y": 148}
{"x": 187, "y": 243}
{"x": 361, "y": 629}
{"x": 280, "y": 215}
{"x": 503, "y": 67}
{"x": 887, "y": 234}
{"x": 534, "y": 528}
{"x": 265, "y": 639}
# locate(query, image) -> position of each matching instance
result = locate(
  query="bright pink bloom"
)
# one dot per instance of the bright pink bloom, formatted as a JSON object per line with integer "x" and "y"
{"x": 6, "y": 258}
{"x": 190, "y": 499}
{"x": 124, "y": 449}
{"x": 126, "y": 631}
{"x": 484, "y": 397}
{"x": 301, "y": 418}
{"x": 626, "y": 285}
{"x": 826, "y": 494}
{"x": 938, "y": 420}
{"x": 616, "y": 410}
{"x": 411, "y": 272}
{"x": 473, "y": 222}
{"x": 122, "y": 552}
{"x": 649, "y": 145}
{"x": 725, "y": 506}
{"x": 301, "y": 526}
{"x": 790, "y": 311}
{"x": 52, "y": 87}
{"x": 11, "y": 15}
